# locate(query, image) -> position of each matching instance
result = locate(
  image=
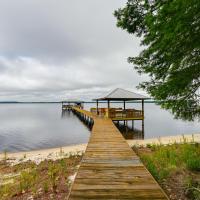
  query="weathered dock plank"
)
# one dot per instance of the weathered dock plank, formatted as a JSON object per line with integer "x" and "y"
{"x": 110, "y": 169}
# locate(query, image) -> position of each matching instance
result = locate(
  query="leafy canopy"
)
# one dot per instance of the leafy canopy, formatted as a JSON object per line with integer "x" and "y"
{"x": 170, "y": 33}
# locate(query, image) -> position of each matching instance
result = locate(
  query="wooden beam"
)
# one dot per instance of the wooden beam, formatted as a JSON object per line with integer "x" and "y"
{"x": 143, "y": 117}
{"x": 132, "y": 124}
{"x": 108, "y": 107}
{"x": 97, "y": 107}
{"x": 143, "y": 107}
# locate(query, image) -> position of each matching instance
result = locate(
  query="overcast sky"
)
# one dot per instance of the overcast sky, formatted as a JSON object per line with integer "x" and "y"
{"x": 51, "y": 50}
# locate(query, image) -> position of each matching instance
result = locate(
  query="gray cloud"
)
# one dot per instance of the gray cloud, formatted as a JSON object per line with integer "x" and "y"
{"x": 50, "y": 50}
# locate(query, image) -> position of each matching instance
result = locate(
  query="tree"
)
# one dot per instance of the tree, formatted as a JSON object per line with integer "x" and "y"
{"x": 170, "y": 33}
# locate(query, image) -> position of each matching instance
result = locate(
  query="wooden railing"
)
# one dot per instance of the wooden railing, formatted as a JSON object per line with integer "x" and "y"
{"x": 69, "y": 107}
{"x": 64, "y": 106}
{"x": 118, "y": 113}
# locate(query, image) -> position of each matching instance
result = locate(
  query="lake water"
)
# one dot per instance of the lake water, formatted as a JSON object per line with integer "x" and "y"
{"x": 36, "y": 126}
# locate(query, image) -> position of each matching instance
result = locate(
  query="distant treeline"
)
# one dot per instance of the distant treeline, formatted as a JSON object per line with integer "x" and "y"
{"x": 26, "y": 102}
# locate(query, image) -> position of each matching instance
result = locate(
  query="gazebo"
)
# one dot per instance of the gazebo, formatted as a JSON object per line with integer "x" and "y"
{"x": 68, "y": 104}
{"x": 121, "y": 114}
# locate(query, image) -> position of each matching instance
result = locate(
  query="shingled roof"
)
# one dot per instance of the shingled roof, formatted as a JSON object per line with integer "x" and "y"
{"x": 121, "y": 94}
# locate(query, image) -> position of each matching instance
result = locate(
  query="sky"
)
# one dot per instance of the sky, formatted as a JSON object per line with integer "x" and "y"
{"x": 53, "y": 50}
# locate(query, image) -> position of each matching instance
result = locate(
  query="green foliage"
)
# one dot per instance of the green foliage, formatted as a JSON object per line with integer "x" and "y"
{"x": 45, "y": 187}
{"x": 53, "y": 171}
{"x": 5, "y": 156}
{"x": 151, "y": 166}
{"x": 193, "y": 164}
{"x": 27, "y": 180}
{"x": 5, "y": 191}
{"x": 153, "y": 147}
{"x": 48, "y": 179}
{"x": 192, "y": 189}
{"x": 166, "y": 159}
{"x": 190, "y": 155}
{"x": 170, "y": 32}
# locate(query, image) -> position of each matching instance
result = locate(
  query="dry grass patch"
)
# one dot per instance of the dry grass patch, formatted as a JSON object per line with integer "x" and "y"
{"x": 48, "y": 180}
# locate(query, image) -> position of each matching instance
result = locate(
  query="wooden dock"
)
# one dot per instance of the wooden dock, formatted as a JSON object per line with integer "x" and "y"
{"x": 110, "y": 169}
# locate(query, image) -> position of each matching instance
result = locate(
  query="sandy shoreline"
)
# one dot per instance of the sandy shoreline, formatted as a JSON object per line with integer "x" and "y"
{"x": 167, "y": 140}
{"x": 56, "y": 153}
{"x": 39, "y": 155}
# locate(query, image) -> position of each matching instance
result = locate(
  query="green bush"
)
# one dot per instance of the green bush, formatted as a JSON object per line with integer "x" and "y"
{"x": 192, "y": 189}
{"x": 163, "y": 160}
{"x": 45, "y": 187}
{"x": 53, "y": 172}
{"x": 150, "y": 166}
{"x": 193, "y": 163}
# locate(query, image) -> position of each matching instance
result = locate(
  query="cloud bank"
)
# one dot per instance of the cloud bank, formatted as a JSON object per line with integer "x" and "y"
{"x": 52, "y": 50}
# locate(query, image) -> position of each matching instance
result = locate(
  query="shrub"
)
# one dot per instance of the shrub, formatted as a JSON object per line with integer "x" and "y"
{"x": 150, "y": 166}
{"x": 5, "y": 156}
{"x": 192, "y": 189}
{"x": 163, "y": 160}
{"x": 193, "y": 163}
{"x": 24, "y": 181}
{"x": 45, "y": 187}
{"x": 5, "y": 191}
{"x": 27, "y": 180}
{"x": 53, "y": 175}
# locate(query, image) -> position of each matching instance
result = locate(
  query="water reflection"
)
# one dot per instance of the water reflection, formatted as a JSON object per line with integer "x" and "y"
{"x": 27, "y": 127}
{"x": 65, "y": 114}
{"x": 129, "y": 132}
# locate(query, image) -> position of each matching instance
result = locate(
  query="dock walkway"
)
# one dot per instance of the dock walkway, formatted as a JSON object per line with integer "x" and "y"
{"x": 110, "y": 169}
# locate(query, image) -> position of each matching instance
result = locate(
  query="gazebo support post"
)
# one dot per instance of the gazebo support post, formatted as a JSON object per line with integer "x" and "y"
{"x": 108, "y": 108}
{"x": 124, "y": 110}
{"x": 142, "y": 117}
{"x": 97, "y": 107}
{"x": 126, "y": 126}
{"x": 132, "y": 124}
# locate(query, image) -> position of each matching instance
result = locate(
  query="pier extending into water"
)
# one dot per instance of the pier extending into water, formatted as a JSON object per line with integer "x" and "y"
{"x": 110, "y": 169}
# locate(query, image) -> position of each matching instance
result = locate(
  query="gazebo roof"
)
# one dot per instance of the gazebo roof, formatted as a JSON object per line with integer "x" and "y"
{"x": 123, "y": 95}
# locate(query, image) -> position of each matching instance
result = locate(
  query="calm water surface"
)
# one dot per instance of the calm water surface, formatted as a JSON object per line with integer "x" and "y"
{"x": 36, "y": 126}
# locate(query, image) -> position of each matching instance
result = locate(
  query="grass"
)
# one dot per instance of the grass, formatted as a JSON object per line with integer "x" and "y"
{"x": 27, "y": 180}
{"x": 47, "y": 180}
{"x": 5, "y": 156}
{"x": 176, "y": 163}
